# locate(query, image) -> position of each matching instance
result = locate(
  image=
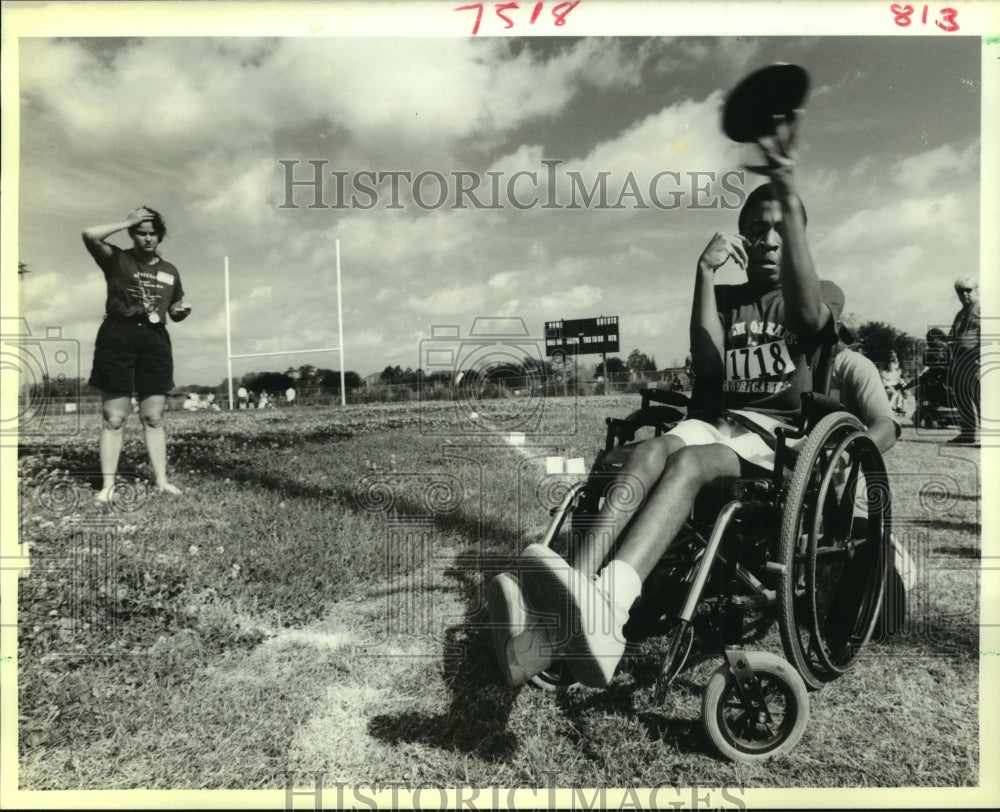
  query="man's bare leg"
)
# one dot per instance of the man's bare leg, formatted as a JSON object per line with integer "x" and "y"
{"x": 686, "y": 472}
{"x": 624, "y": 496}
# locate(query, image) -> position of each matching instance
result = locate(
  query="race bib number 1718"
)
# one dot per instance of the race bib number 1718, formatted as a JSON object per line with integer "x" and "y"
{"x": 763, "y": 361}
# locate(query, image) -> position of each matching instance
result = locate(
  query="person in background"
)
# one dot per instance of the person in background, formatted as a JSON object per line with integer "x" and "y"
{"x": 964, "y": 372}
{"x": 894, "y": 383}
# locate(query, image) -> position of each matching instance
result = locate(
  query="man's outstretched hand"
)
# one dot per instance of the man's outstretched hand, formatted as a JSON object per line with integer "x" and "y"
{"x": 779, "y": 150}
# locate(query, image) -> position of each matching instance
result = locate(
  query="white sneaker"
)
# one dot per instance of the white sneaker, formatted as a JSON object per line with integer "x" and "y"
{"x": 520, "y": 642}
{"x": 590, "y": 621}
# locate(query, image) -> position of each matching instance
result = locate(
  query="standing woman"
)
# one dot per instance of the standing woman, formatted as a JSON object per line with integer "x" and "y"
{"x": 132, "y": 353}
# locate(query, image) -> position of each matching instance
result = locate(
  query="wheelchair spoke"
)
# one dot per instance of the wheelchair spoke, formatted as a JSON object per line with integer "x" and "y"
{"x": 838, "y": 550}
{"x": 751, "y": 728}
{"x": 828, "y": 598}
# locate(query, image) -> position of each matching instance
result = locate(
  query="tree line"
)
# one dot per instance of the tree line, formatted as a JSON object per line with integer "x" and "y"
{"x": 875, "y": 339}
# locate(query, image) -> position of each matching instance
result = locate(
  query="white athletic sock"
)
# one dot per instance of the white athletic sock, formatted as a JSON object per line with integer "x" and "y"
{"x": 623, "y": 583}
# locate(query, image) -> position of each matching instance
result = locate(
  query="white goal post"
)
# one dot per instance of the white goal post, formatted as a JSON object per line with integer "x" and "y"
{"x": 340, "y": 338}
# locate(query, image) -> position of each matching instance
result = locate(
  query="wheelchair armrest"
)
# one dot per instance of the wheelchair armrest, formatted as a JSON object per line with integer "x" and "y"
{"x": 623, "y": 431}
{"x": 665, "y": 396}
{"x": 815, "y": 406}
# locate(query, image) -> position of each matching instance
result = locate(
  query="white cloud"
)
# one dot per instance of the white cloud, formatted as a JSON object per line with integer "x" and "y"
{"x": 683, "y": 137}
{"x": 162, "y": 97}
{"x": 889, "y": 227}
{"x": 916, "y": 173}
{"x": 236, "y": 193}
{"x": 503, "y": 281}
{"x": 450, "y": 301}
{"x": 577, "y": 299}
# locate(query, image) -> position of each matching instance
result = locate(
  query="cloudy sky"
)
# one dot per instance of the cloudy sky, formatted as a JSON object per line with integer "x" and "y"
{"x": 197, "y": 127}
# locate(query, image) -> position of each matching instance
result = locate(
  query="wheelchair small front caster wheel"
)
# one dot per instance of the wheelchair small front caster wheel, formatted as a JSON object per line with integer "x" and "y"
{"x": 741, "y": 734}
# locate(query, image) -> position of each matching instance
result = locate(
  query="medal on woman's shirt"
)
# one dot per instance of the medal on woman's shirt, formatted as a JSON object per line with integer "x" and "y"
{"x": 147, "y": 293}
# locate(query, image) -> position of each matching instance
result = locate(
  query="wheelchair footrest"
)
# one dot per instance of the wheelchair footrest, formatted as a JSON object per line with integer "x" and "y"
{"x": 765, "y": 598}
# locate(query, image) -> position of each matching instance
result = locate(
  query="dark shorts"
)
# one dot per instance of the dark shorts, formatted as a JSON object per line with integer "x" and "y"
{"x": 133, "y": 356}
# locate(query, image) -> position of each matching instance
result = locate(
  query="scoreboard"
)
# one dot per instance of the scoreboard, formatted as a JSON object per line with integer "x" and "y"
{"x": 581, "y": 336}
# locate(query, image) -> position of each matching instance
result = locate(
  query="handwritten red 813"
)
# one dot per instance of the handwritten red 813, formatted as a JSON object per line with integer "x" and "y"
{"x": 559, "y": 12}
{"x": 902, "y": 13}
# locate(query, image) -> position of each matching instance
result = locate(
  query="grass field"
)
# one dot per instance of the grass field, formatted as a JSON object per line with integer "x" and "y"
{"x": 312, "y": 602}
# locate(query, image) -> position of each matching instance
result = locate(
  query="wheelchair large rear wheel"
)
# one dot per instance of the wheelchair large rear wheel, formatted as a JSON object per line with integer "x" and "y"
{"x": 743, "y": 735}
{"x": 833, "y": 549}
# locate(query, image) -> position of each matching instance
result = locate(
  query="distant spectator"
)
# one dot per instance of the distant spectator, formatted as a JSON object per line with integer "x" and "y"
{"x": 251, "y": 399}
{"x": 290, "y": 395}
{"x": 242, "y": 397}
{"x": 264, "y": 401}
{"x": 895, "y": 384}
{"x": 964, "y": 372}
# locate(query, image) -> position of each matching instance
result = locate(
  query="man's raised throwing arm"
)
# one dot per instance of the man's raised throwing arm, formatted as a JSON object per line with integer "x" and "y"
{"x": 805, "y": 312}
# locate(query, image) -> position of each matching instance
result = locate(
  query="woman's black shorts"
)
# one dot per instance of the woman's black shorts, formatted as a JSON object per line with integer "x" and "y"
{"x": 133, "y": 356}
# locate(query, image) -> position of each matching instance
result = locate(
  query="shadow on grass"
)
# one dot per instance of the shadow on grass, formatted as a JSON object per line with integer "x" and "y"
{"x": 476, "y": 721}
{"x": 462, "y": 522}
{"x": 684, "y": 735}
{"x": 953, "y": 525}
{"x": 959, "y": 550}
{"x": 477, "y": 718}
{"x": 935, "y": 634}
{"x": 666, "y": 725}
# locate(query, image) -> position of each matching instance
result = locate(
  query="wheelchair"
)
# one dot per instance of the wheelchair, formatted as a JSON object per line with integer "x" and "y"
{"x": 933, "y": 398}
{"x": 806, "y": 547}
{"x": 933, "y": 401}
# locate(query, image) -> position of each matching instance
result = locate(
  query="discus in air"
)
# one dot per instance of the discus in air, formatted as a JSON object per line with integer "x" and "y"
{"x": 750, "y": 109}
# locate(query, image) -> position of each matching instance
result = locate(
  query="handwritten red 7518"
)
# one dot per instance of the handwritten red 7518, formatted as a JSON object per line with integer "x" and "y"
{"x": 559, "y": 13}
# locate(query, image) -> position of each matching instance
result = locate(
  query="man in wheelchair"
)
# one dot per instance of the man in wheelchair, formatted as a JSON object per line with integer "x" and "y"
{"x": 755, "y": 348}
